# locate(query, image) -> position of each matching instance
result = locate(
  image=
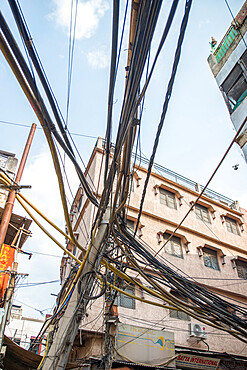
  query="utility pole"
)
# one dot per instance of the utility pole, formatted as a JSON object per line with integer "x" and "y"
{"x": 58, "y": 354}
{"x": 3, "y": 231}
{"x": 63, "y": 339}
{"x": 110, "y": 322}
{"x": 11, "y": 198}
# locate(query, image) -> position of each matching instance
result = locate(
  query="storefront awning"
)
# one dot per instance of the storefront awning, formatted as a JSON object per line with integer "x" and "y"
{"x": 19, "y": 358}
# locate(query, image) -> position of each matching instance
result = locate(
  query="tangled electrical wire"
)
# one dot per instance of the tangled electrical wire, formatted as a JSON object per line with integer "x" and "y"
{"x": 202, "y": 303}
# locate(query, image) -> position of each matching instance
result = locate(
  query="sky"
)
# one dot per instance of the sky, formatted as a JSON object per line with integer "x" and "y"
{"x": 196, "y": 133}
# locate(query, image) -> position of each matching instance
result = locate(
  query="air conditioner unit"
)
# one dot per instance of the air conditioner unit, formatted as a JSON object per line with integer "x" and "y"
{"x": 197, "y": 331}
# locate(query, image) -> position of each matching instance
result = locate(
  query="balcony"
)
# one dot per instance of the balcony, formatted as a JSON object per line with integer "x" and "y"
{"x": 225, "y": 43}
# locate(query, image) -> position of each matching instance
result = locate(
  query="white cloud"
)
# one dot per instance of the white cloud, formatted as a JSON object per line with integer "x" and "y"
{"x": 98, "y": 58}
{"x": 89, "y": 14}
{"x": 40, "y": 174}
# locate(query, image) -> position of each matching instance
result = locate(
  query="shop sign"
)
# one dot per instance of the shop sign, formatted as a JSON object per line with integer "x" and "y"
{"x": 6, "y": 259}
{"x": 197, "y": 362}
{"x": 146, "y": 346}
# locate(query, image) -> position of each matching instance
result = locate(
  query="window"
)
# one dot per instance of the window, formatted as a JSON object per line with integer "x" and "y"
{"x": 232, "y": 226}
{"x": 167, "y": 198}
{"x": 202, "y": 213}
{"x": 241, "y": 269}
{"x": 235, "y": 85}
{"x": 131, "y": 224}
{"x": 174, "y": 246}
{"x": 80, "y": 202}
{"x": 180, "y": 315}
{"x": 210, "y": 258}
{"x": 123, "y": 300}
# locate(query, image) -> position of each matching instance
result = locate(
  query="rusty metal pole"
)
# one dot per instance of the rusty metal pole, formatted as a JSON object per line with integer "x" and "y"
{"x": 11, "y": 198}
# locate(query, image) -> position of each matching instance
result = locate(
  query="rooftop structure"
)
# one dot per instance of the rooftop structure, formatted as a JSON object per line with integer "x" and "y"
{"x": 228, "y": 62}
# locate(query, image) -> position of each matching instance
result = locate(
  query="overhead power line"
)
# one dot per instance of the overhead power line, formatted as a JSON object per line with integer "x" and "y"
{"x": 30, "y": 285}
{"x": 166, "y": 102}
{"x": 111, "y": 84}
{"x": 71, "y": 55}
{"x": 40, "y": 128}
{"x": 37, "y": 101}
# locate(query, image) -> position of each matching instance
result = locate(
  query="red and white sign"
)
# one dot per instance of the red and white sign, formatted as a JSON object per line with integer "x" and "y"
{"x": 6, "y": 259}
{"x": 197, "y": 362}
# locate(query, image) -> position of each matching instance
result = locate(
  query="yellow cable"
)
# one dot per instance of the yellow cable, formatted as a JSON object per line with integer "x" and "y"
{"x": 113, "y": 269}
{"x": 46, "y": 232}
{"x": 46, "y": 347}
{"x": 8, "y": 182}
{"x": 51, "y": 223}
{"x": 39, "y": 113}
{"x": 142, "y": 299}
{"x": 82, "y": 264}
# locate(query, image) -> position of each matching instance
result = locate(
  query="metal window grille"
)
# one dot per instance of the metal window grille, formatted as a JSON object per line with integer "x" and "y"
{"x": 210, "y": 258}
{"x": 180, "y": 315}
{"x": 241, "y": 269}
{"x": 123, "y": 300}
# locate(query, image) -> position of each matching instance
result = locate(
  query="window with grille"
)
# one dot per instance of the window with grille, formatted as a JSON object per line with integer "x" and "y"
{"x": 123, "y": 300}
{"x": 210, "y": 258}
{"x": 202, "y": 213}
{"x": 180, "y": 315}
{"x": 131, "y": 224}
{"x": 174, "y": 246}
{"x": 232, "y": 226}
{"x": 167, "y": 198}
{"x": 241, "y": 269}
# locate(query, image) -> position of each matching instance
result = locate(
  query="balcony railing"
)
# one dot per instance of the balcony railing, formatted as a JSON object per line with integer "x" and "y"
{"x": 225, "y": 43}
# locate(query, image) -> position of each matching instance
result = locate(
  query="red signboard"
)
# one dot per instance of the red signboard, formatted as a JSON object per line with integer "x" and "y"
{"x": 6, "y": 259}
{"x": 197, "y": 362}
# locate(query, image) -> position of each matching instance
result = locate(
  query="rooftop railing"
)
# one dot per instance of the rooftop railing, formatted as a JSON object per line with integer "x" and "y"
{"x": 184, "y": 181}
{"x": 225, "y": 43}
{"x": 179, "y": 179}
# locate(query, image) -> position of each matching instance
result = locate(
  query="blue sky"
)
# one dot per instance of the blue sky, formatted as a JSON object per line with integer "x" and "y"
{"x": 197, "y": 129}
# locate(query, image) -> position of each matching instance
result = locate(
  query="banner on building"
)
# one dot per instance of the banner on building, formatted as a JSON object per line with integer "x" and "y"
{"x": 146, "y": 346}
{"x": 197, "y": 362}
{"x": 6, "y": 260}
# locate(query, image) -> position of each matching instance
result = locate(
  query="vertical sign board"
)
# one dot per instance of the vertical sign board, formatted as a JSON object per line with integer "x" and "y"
{"x": 146, "y": 346}
{"x": 6, "y": 259}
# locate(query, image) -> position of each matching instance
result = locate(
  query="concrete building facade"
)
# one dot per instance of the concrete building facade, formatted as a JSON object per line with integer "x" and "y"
{"x": 209, "y": 247}
{"x": 23, "y": 330}
{"x": 8, "y": 163}
{"x": 228, "y": 62}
